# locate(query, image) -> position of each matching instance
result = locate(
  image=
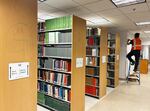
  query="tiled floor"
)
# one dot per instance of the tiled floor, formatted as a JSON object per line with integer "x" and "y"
{"x": 126, "y": 97}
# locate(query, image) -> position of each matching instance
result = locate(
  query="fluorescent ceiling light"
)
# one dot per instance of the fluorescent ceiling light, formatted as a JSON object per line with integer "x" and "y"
{"x": 121, "y": 3}
{"x": 98, "y": 20}
{"x": 42, "y": 0}
{"x": 143, "y": 23}
{"x": 146, "y": 31}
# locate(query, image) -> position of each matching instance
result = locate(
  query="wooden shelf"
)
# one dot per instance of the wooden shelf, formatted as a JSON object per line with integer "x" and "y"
{"x": 93, "y": 46}
{"x": 92, "y": 66}
{"x": 77, "y": 88}
{"x": 115, "y": 55}
{"x": 110, "y": 78}
{"x": 90, "y": 75}
{"x": 47, "y": 107}
{"x": 92, "y": 56}
{"x": 93, "y": 36}
{"x": 92, "y": 95}
{"x": 92, "y": 86}
{"x": 67, "y": 87}
{"x": 57, "y": 30}
{"x": 55, "y": 97}
{"x": 54, "y": 70}
{"x": 55, "y": 57}
{"x": 112, "y": 86}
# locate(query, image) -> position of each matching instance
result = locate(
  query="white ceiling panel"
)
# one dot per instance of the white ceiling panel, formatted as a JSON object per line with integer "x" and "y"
{"x": 61, "y": 4}
{"x": 135, "y": 8}
{"x": 43, "y": 7}
{"x": 109, "y": 13}
{"x": 82, "y": 2}
{"x": 139, "y": 16}
{"x": 59, "y": 14}
{"x": 78, "y": 10}
{"x": 100, "y": 5}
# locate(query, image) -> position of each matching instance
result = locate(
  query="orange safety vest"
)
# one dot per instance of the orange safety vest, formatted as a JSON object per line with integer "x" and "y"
{"x": 136, "y": 44}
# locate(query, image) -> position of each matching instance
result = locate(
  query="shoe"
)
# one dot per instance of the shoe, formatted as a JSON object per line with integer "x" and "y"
{"x": 132, "y": 63}
{"x": 135, "y": 70}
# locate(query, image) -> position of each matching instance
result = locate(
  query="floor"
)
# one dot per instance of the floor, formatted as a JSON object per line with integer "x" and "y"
{"x": 126, "y": 97}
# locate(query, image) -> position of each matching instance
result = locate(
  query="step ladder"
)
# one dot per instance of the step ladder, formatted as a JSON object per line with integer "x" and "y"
{"x": 134, "y": 77}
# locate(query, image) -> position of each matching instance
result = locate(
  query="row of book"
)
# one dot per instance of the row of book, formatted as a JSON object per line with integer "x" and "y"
{"x": 62, "y": 65}
{"x": 92, "y": 51}
{"x": 91, "y": 41}
{"x": 93, "y": 31}
{"x": 58, "y": 37}
{"x": 92, "y": 81}
{"x": 111, "y": 44}
{"x": 92, "y": 61}
{"x": 111, "y": 51}
{"x": 111, "y": 66}
{"x": 41, "y": 26}
{"x": 92, "y": 71}
{"x": 59, "y": 23}
{"x": 55, "y": 91}
{"x": 55, "y": 78}
{"x": 91, "y": 90}
{"x": 110, "y": 74}
{"x": 111, "y": 36}
{"x": 110, "y": 82}
{"x": 41, "y": 37}
{"x": 111, "y": 58}
{"x": 55, "y": 64}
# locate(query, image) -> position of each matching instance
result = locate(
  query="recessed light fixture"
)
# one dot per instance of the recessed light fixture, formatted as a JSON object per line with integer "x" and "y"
{"x": 42, "y": 0}
{"x": 143, "y": 23}
{"x": 147, "y": 31}
{"x": 122, "y": 3}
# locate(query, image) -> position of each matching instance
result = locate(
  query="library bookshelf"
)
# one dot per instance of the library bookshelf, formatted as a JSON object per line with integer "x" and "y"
{"x": 61, "y": 58}
{"x": 96, "y": 62}
{"x": 113, "y": 60}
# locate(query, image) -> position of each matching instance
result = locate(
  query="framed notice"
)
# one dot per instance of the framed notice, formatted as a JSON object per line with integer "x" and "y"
{"x": 18, "y": 70}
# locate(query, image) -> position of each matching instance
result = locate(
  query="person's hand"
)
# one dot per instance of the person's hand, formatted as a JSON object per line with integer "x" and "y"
{"x": 128, "y": 41}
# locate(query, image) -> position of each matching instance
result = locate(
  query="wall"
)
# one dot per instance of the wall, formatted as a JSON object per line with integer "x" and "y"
{"x": 18, "y": 43}
{"x": 145, "y": 51}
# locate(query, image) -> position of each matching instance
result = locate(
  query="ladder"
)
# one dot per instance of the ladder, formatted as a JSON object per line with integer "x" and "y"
{"x": 134, "y": 76}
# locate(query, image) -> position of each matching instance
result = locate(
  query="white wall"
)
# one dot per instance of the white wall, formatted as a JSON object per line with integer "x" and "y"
{"x": 145, "y": 52}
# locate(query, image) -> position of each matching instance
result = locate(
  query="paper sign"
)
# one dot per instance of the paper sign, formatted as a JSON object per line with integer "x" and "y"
{"x": 18, "y": 70}
{"x": 103, "y": 59}
{"x": 79, "y": 62}
{"x": 117, "y": 57}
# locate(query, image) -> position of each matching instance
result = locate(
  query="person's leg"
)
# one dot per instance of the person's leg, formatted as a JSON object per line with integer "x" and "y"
{"x": 129, "y": 56}
{"x": 137, "y": 58}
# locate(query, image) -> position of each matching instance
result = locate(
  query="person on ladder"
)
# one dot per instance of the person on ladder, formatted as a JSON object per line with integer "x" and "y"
{"x": 135, "y": 51}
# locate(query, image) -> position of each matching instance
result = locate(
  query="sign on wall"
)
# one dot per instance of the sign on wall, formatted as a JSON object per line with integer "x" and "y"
{"x": 18, "y": 70}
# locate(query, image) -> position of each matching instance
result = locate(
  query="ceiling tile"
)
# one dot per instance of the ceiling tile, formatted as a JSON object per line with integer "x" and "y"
{"x": 100, "y": 5}
{"x": 59, "y": 14}
{"x": 135, "y": 8}
{"x": 82, "y": 2}
{"x": 109, "y": 13}
{"x": 42, "y": 7}
{"x": 139, "y": 16}
{"x": 61, "y": 4}
{"x": 78, "y": 10}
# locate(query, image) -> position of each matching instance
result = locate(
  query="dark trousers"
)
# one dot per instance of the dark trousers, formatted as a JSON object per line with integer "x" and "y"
{"x": 135, "y": 53}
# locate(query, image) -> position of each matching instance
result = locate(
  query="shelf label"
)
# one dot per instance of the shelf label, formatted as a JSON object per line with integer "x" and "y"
{"x": 79, "y": 62}
{"x": 117, "y": 57}
{"x": 103, "y": 59}
{"x": 18, "y": 70}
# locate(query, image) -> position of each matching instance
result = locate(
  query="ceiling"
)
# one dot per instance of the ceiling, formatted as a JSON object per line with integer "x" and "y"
{"x": 123, "y": 18}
